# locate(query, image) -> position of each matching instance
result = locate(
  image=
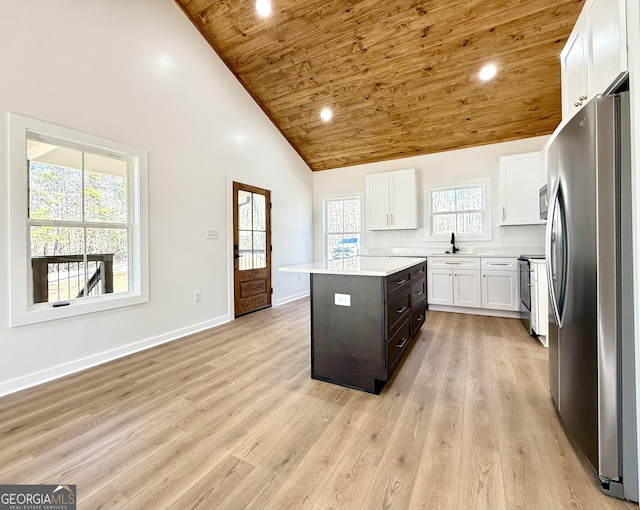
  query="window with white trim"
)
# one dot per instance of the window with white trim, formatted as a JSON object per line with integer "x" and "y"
{"x": 342, "y": 227}
{"x": 462, "y": 208}
{"x": 78, "y": 222}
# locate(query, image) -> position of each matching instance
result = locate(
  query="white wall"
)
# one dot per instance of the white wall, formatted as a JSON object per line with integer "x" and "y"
{"x": 138, "y": 72}
{"x": 444, "y": 167}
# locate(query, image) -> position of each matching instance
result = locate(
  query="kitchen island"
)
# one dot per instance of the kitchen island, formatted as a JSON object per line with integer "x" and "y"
{"x": 365, "y": 314}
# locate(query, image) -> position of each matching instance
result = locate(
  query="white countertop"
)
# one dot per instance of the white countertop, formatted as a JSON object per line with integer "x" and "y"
{"x": 358, "y": 266}
{"x": 486, "y": 251}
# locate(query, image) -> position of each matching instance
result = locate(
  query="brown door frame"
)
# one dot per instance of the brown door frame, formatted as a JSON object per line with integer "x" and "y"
{"x": 252, "y": 287}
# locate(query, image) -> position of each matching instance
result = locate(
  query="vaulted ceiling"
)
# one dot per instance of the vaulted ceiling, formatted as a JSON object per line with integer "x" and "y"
{"x": 401, "y": 76}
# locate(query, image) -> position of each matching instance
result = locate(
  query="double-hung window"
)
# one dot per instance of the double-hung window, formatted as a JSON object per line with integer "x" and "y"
{"x": 342, "y": 227}
{"x": 78, "y": 222}
{"x": 462, "y": 208}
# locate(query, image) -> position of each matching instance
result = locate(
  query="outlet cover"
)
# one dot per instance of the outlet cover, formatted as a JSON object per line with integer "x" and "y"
{"x": 212, "y": 234}
{"x": 343, "y": 299}
{"x": 197, "y": 296}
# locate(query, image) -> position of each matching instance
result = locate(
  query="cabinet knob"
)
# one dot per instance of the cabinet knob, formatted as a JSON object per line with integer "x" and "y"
{"x": 577, "y": 103}
{"x": 582, "y": 98}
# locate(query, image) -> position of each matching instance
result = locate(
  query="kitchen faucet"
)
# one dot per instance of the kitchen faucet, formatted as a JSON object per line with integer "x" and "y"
{"x": 454, "y": 248}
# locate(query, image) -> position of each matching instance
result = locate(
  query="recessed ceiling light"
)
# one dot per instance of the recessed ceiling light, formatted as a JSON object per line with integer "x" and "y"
{"x": 263, "y": 7}
{"x": 326, "y": 114}
{"x": 488, "y": 72}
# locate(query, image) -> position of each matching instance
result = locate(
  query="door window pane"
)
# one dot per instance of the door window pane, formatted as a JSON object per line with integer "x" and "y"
{"x": 245, "y": 210}
{"x": 259, "y": 250}
{"x": 245, "y": 250}
{"x": 252, "y": 224}
{"x": 259, "y": 212}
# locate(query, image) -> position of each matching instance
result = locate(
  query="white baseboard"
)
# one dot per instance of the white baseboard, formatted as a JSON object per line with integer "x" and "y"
{"x": 43, "y": 376}
{"x": 289, "y": 299}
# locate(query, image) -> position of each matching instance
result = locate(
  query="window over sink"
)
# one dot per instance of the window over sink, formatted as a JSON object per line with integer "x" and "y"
{"x": 462, "y": 207}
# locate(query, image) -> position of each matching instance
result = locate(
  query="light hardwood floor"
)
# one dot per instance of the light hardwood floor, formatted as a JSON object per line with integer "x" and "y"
{"x": 230, "y": 419}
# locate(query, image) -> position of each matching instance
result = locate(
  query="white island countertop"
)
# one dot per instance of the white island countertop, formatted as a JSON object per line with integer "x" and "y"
{"x": 358, "y": 266}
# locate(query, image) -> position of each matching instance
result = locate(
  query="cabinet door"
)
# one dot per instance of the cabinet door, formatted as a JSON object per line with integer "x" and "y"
{"x": 521, "y": 177}
{"x": 574, "y": 61}
{"x": 404, "y": 206}
{"x": 439, "y": 287}
{"x": 607, "y": 43}
{"x": 500, "y": 290}
{"x": 378, "y": 202}
{"x": 466, "y": 288}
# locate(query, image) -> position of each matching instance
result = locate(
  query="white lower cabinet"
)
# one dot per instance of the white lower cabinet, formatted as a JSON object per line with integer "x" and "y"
{"x": 454, "y": 281}
{"x": 489, "y": 283}
{"x": 440, "y": 286}
{"x": 500, "y": 290}
{"x": 500, "y": 281}
{"x": 466, "y": 288}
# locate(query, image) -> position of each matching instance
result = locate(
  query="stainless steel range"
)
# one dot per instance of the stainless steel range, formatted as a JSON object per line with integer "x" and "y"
{"x": 524, "y": 274}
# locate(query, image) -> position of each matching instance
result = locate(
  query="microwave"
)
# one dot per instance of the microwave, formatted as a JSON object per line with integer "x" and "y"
{"x": 544, "y": 202}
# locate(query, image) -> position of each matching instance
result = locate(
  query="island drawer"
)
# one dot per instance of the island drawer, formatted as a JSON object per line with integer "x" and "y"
{"x": 418, "y": 271}
{"x": 397, "y": 344}
{"x": 398, "y": 308}
{"x": 418, "y": 316}
{"x": 418, "y": 290}
{"x": 398, "y": 281}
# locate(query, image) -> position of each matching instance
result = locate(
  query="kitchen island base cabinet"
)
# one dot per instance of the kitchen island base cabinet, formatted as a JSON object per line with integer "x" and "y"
{"x": 360, "y": 344}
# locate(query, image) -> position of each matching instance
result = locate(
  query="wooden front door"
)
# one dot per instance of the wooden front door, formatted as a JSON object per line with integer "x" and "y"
{"x": 251, "y": 248}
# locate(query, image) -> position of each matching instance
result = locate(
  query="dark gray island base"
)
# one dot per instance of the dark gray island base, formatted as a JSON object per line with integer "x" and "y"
{"x": 361, "y": 345}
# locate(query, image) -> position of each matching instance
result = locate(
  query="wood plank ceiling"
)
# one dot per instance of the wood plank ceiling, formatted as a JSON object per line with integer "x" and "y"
{"x": 401, "y": 76}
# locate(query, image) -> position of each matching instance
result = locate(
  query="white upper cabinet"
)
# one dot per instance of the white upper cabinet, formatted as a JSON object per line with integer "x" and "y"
{"x": 575, "y": 69}
{"x": 521, "y": 176}
{"x": 595, "y": 54}
{"x": 392, "y": 200}
{"x": 607, "y": 42}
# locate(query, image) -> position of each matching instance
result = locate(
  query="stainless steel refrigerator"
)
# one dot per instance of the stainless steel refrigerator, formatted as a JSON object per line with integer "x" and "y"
{"x": 589, "y": 266}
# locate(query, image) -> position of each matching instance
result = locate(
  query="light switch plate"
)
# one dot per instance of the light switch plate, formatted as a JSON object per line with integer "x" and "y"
{"x": 211, "y": 234}
{"x": 342, "y": 299}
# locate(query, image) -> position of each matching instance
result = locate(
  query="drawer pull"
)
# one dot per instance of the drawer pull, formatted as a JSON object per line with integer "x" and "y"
{"x": 453, "y": 263}
{"x": 498, "y": 263}
{"x": 401, "y": 309}
{"x": 420, "y": 318}
{"x": 419, "y": 293}
{"x": 404, "y": 341}
{"x": 420, "y": 272}
{"x": 400, "y": 282}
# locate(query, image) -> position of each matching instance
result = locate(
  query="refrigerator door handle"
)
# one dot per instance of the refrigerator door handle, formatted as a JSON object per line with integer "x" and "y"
{"x": 551, "y": 216}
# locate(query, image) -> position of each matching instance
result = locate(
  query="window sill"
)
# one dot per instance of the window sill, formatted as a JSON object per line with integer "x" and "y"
{"x": 35, "y": 314}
